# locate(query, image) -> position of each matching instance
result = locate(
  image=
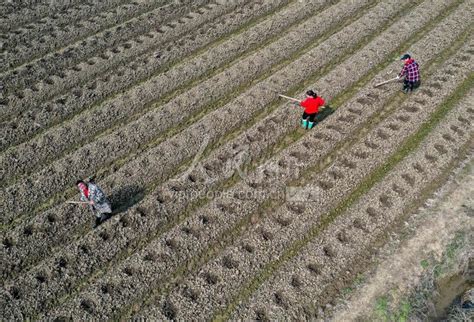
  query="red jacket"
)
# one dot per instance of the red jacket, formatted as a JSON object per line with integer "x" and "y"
{"x": 311, "y": 105}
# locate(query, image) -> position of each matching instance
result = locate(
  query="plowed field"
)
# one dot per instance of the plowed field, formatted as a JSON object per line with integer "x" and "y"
{"x": 223, "y": 206}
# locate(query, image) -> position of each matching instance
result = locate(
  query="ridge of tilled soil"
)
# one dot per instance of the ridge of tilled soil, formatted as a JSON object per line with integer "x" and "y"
{"x": 150, "y": 170}
{"x": 171, "y": 22}
{"x": 261, "y": 240}
{"x": 119, "y": 53}
{"x": 259, "y": 138}
{"x": 105, "y": 149}
{"x": 179, "y": 243}
{"x": 54, "y": 218}
{"x": 14, "y": 14}
{"x": 140, "y": 50}
{"x": 9, "y": 7}
{"x": 223, "y": 154}
{"x": 218, "y": 168}
{"x": 136, "y": 101}
{"x": 306, "y": 283}
{"x": 38, "y": 231}
{"x": 76, "y": 22}
{"x": 222, "y": 278}
{"x": 425, "y": 228}
{"x": 38, "y": 118}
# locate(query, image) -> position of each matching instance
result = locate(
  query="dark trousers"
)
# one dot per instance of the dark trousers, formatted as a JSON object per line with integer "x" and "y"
{"x": 309, "y": 117}
{"x": 410, "y": 86}
{"x": 97, "y": 214}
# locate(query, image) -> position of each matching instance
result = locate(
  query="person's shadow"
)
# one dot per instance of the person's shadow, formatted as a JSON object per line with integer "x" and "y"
{"x": 323, "y": 113}
{"x": 125, "y": 198}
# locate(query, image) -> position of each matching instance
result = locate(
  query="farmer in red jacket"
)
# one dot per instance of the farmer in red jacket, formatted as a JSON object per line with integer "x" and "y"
{"x": 411, "y": 72}
{"x": 311, "y": 105}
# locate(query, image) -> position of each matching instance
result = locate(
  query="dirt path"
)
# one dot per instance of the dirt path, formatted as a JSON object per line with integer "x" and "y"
{"x": 399, "y": 272}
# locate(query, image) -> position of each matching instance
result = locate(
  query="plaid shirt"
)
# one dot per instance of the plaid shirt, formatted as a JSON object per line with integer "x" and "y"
{"x": 411, "y": 71}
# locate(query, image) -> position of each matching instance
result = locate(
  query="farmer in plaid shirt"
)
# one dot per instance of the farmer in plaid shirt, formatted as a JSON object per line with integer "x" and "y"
{"x": 411, "y": 71}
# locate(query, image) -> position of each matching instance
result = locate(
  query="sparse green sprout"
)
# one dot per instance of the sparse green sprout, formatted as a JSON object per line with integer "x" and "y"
{"x": 359, "y": 279}
{"x": 404, "y": 312}
{"x": 381, "y": 307}
{"x": 347, "y": 290}
{"x": 425, "y": 263}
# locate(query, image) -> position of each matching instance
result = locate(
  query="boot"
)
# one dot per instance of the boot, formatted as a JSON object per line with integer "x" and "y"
{"x": 98, "y": 221}
{"x": 104, "y": 217}
{"x": 304, "y": 123}
{"x": 406, "y": 87}
{"x": 310, "y": 125}
{"x": 416, "y": 85}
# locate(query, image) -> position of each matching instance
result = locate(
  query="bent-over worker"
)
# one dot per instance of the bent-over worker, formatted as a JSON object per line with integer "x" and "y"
{"x": 311, "y": 105}
{"x": 411, "y": 72}
{"x": 97, "y": 200}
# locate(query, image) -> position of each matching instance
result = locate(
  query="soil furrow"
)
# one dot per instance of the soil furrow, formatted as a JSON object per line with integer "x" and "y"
{"x": 144, "y": 67}
{"x": 206, "y": 218}
{"x": 15, "y": 14}
{"x": 382, "y": 8}
{"x": 84, "y": 127}
{"x": 158, "y": 24}
{"x": 119, "y": 144}
{"x": 365, "y": 224}
{"x": 81, "y": 20}
{"x": 138, "y": 51}
{"x": 9, "y": 7}
{"x": 261, "y": 139}
{"x": 252, "y": 251}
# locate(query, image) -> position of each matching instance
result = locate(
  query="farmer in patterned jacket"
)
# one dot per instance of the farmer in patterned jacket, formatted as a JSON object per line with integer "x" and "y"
{"x": 97, "y": 200}
{"x": 411, "y": 71}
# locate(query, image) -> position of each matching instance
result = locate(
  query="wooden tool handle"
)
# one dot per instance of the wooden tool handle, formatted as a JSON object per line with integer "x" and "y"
{"x": 289, "y": 98}
{"x": 386, "y": 82}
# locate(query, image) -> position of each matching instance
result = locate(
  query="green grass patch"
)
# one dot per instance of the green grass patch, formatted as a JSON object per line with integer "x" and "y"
{"x": 415, "y": 306}
{"x": 384, "y": 312}
{"x": 381, "y": 308}
{"x": 449, "y": 256}
{"x": 356, "y": 283}
{"x": 359, "y": 279}
{"x": 404, "y": 312}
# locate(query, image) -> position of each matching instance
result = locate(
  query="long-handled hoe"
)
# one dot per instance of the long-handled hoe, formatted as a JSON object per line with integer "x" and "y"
{"x": 294, "y": 99}
{"x": 78, "y": 202}
{"x": 387, "y": 81}
{"x": 289, "y": 98}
